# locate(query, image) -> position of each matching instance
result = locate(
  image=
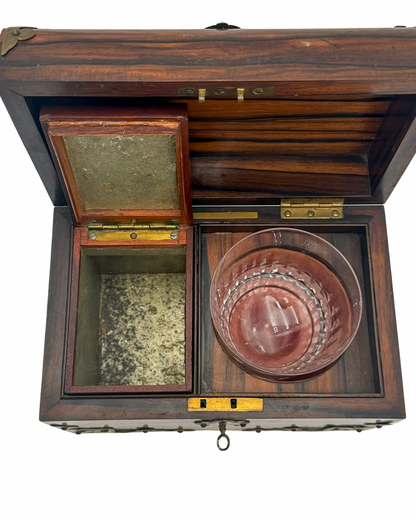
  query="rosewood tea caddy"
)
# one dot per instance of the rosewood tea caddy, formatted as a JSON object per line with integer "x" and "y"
{"x": 161, "y": 150}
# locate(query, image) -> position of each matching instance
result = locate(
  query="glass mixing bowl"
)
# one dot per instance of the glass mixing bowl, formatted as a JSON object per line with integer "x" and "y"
{"x": 285, "y": 304}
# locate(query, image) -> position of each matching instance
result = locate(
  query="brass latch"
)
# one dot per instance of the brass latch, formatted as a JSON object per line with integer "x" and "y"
{"x": 132, "y": 231}
{"x": 225, "y": 404}
{"x": 295, "y": 209}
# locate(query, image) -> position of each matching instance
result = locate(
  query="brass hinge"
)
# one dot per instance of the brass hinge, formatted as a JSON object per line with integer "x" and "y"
{"x": 294, "y": 209}
{"x": 132, "y": 231}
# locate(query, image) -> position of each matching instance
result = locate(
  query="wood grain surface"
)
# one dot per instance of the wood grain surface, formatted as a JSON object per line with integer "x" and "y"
{"x": 364, "y": 60}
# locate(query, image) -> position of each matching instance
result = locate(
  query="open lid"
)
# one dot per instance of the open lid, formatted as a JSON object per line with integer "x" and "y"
{"x": 273, "y": 114}
{"x": 119, "y": 163}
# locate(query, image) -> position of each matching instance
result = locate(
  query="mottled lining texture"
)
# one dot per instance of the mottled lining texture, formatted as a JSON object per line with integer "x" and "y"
{"x": 124, "y": 172}
{"x": 142, "y": 335}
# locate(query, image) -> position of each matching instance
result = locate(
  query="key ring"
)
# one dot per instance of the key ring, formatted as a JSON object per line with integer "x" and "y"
{"x": 222, "y": 426}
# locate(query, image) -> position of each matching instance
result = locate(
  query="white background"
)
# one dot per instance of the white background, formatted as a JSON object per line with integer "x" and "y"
{"x": 47, "y": 473}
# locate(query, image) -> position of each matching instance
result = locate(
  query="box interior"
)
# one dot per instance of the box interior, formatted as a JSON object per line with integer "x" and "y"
{"x": 258, "y": 152}
{"x": 131, "y": 317}
{"x": 355, "y": 373}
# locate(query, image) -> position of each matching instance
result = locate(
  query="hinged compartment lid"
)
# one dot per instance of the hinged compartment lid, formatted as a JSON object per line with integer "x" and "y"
{"x": 122, "y": 164}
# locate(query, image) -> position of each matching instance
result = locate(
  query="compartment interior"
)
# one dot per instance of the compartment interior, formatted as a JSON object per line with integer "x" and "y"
{"x": 355, "y": 373}
{"x": 131, "y": 317}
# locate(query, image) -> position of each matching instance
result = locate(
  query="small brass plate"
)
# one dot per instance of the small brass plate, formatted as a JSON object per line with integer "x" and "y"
{"x": 226, "y": 215}
{"x": 225, "y": 404}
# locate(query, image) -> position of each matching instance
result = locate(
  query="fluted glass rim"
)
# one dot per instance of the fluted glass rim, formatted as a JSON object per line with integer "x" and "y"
{"x": 357, "y": 307}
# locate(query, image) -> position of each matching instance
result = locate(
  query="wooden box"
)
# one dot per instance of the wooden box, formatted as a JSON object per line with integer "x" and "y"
{"x": 265, "y": 129}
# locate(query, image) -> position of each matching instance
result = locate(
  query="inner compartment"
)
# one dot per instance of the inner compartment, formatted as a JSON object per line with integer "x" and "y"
{"x": 355, "y": 373}
{"x": 131, "y": 318}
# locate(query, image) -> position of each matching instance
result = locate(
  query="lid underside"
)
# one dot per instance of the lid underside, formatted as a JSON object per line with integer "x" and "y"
{"x": 325, "y": 113}
{"x": 122, "y": 164}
